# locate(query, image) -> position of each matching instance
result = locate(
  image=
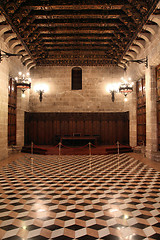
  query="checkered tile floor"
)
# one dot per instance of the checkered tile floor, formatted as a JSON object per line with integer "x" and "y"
{"x": 79, "y": 197}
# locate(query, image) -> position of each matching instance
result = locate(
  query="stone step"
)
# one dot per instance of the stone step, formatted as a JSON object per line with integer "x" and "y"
{"x": 13, "y": 149}
{"x": 139, "y": 149}
{"x": 156, "y": 156}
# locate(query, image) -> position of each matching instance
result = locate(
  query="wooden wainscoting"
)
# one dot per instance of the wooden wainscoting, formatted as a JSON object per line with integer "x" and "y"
{"x": 48, "y": 128}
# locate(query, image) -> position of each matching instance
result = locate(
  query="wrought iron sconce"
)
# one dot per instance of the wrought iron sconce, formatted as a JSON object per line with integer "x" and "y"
{"x": 40, "y": 89}
{"x": 23, "y": 82}
{"x": 139, "y": 61}
{"x": 4, "y": 54}
{"x": 112, "y": 88}
{"x": 126, "y": 87}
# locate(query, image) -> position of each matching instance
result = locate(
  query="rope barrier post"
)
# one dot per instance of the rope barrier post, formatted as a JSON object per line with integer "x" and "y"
{"x": 89, "y": 144}
{"x": 60, "y": 144}
{"x": 32, "y": 164}
{"x": 90, "y": 155}
{"x": 32, "y": 156}
{"x": 31, "y": 147}
{"x": 143, "y": 148}
{"x": 59, "y": 158}
{"x": 118, "y": 152}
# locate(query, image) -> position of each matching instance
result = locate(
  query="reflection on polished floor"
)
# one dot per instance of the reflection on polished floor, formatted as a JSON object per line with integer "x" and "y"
{"x": 79, "y": 197}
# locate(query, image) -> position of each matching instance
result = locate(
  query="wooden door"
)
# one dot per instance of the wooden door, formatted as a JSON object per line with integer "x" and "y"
{"x": 158, "y": 103}
{"x": 141, "y": 112}
{"x": 12, "y": 102}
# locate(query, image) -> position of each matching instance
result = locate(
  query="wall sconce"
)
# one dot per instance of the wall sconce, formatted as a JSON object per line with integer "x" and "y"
{"x": 112, "y": 88}
{"x": 23, "y": 93}
{"x": 139, "y": 61}
{"x": 126, "y": 87}
{"x": 4, "y": 54}
{"x": 23, "y": 82}
{"x": 41, "y": 88}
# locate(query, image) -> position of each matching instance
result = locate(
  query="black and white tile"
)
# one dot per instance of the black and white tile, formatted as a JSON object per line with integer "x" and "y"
{"x": 79, "y": 197}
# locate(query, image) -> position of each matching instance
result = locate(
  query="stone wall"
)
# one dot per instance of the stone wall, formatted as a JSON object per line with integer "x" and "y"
{"x": 151, "y": 113}
{"x": 22, "y": 107}
{"x": 151, "y": 49}
{"x": 4, "y": 75}
{"x": 3, "y": 109}
{"x": 9, "y": 67}
{"x": 60, "y": 98}
{"x": 92, "y": 98}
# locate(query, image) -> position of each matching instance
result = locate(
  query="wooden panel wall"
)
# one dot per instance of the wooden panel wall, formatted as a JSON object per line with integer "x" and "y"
{"x": 47, "y": 128}
{"x": 12, "y": 99}
{"x": 141, "y": 112}
{"x": 158, "y": 103}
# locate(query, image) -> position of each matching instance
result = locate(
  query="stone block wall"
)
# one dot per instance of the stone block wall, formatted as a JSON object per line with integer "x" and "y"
{"x": 3, "y": 109}
{"x": 151, "y": 50}
{"x": 92, "y": 98}
{"x": 22, "y": 107}
{"x": 9, "y": 67}
{"x": 151, "y": 113}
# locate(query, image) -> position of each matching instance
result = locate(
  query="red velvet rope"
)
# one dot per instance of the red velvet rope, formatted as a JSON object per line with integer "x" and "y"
{"x": 93, "y": 145}
{"x": 34, "y": 145}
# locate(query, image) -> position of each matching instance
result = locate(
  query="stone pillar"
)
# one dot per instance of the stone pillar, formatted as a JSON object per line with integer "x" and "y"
{"x": 3, "y": 110}
{"x": 151, "y": 112}
{"x": 133, "y": 119}
{"x": 22, "y": 106}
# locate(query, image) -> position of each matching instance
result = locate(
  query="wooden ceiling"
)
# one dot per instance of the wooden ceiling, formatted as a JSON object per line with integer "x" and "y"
{"x": 80, "y": 32}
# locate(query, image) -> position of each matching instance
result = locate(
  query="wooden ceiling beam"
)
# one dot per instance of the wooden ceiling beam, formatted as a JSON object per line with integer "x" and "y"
{"x": 67, "y": 5}
{"x": 45, "y": 34}
{"x": 55, "y": 56}
{"x": 76, "y": 39}
{"x": 67, "y": 30}
{"x": 81, "y": 62}
{"x": 78, "y": 49}
{"x": 73, "y": 42}
{"x": 76, "y": 7}
{"x": 77, "y": 25}
{"x": 75, "y": 31}
{"x": 78, "y": 14}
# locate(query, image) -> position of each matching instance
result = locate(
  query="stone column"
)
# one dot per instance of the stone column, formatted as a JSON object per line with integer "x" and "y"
{"x": 3, "y": 110}
{"x": 151, "y": 112}
{"x": 133, "y": 119}
{"x": 22, "y": 106}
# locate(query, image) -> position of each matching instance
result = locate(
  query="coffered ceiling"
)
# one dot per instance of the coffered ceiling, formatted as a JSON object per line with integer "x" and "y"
{"x": 80, "y": 32}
